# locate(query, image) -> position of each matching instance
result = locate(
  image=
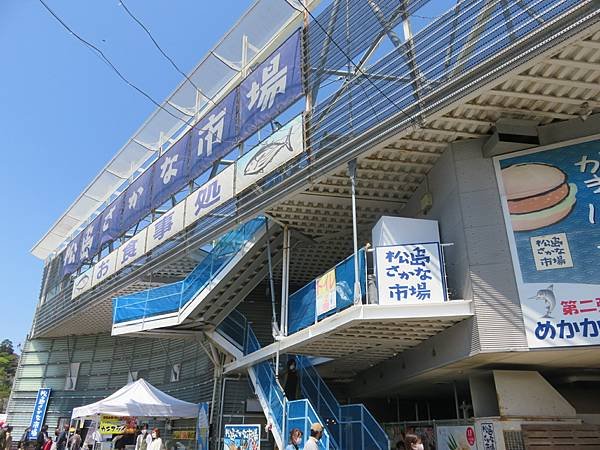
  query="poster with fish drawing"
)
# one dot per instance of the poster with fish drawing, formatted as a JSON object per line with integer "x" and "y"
{"x": 551, "y": 202}
{"x": 273, "y": 152}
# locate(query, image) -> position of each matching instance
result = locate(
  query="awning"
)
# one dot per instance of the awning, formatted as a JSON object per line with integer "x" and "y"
{"x": 139, "y": 399}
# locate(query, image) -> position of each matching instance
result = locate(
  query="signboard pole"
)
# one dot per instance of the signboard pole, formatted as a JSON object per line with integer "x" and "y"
{"x": 285, "y": 268}
{"x": 357, "y": 292}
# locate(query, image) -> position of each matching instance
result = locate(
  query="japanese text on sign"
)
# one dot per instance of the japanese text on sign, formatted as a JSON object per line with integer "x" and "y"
{"x": 39, "y": 412}
{"x": 410, "y": 274}
{"x": 551, "y": 251}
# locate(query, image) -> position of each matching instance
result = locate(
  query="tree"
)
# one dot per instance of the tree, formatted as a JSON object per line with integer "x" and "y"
{"x": 8, "y": 367}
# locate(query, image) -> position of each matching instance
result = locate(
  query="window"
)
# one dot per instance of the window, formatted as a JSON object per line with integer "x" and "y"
{"x": 72, "y": 373}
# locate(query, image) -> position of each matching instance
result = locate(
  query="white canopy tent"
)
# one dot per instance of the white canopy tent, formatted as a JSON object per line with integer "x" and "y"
{"x": 139, "y": 399}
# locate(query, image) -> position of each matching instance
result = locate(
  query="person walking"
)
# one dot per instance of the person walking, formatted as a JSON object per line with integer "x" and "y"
{"x": 156, "y": 443}
{"x": 141, "y": 442}
{"x": 63, "y": 437}
{"x": 24, "y": 438}
{"x": 42, "y": 436}
{"x": 316, "y": 433}
{"x": 8, "y": 438}
{"x": 75, "y": 441}
{"x": 295, "y": 440}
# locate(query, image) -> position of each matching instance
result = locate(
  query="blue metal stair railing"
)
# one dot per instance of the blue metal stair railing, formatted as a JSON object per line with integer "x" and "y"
{"x": 352, "y": 427}
{"x": 173, "y": 297}
{"x": 298, "y": 413}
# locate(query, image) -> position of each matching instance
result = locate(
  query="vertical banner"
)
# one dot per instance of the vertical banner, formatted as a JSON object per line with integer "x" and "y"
{"x": 272, "y": 87}
{"x": 82, "y": 283}
{"x": 410, "y": 273}
{"x": 203, "y": 427}
{"x": 214, "y": 136}
{"x": 456, "y": 437}
{"x": 326, "y": 293}
{"x": 211, "y": 194}
{"x": 170, "y": 172}
{"x": 270, "y": 154}
{"x": 137, "y": 200}
{"x": 167, "y": 225}
{"x": 39, "y": 412}
{"x": 242, "y": 436}
{"x": 110, "y": 221}
{"x": 90, "y": 239}
{"x": 104, "y": 268}
{"x": 550, "y": 199}
{"x": 71, "y": 261}
{"x": 131, "y": 250}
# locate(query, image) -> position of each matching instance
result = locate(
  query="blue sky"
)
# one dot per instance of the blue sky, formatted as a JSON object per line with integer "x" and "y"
{"x": 64, "y": 114}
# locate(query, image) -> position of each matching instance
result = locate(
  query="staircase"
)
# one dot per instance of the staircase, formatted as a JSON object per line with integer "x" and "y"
{"x": 352, "y": 427}
{"x": 235, "y": 336}
{"x": 234, "y": 266}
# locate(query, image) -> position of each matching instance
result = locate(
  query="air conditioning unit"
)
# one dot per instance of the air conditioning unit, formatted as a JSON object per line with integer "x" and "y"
{"x": 511, "y": 135}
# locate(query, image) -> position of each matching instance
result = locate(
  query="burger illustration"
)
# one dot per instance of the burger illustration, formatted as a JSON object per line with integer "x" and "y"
{"x": 537, "y": 194}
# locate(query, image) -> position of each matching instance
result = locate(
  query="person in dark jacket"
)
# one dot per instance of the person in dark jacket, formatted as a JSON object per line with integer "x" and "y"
{"x": 41, "y": 438}
{"x": 63, "y": 437}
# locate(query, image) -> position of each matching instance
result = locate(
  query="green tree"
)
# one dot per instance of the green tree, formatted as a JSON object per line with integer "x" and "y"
{"x": 8, "y": 367}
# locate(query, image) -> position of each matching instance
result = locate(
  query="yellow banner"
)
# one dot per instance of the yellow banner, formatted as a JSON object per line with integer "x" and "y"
{"x": 117, "y": 425}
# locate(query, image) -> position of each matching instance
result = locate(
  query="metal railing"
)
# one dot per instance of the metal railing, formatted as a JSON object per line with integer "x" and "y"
{"x": 284, "y": 415}
{"x": 172, "y": 297}
{"x": 352, "y": 427}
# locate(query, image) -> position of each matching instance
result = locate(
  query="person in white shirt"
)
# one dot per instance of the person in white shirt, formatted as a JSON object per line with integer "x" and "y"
{"x": 141, "y": 442}
{"x": 316, "y": 432}
{"x": 157, "y": 443}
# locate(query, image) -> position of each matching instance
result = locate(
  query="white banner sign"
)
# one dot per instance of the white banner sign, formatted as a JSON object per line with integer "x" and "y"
{"x": 456, "y": 437}
{"x": 167, "y": 225}
{"x": 82, "y": 283}
{"x": 267, "y": 156}
{"x": 132, "y": 249}
{"x": 410, "y": 273}
{"x": 211, "y": 194}
{"x": 104, "y": 268}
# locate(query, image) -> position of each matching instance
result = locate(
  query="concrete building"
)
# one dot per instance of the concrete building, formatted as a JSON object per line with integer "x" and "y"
{"x": 472, "y": 142}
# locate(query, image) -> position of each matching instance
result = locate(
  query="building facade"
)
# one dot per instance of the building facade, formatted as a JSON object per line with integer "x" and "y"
{"x": 380, "y": 228}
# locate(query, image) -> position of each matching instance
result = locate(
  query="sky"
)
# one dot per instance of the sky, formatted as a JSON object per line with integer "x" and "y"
{"x": 64, "y": 113}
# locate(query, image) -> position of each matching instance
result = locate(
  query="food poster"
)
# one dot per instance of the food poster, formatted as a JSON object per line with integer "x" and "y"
{"x": 456, "y": 438}
{"x": 242, "y": 437}
{"x": 326, "y": 293}
{"x": 551, "y": 203}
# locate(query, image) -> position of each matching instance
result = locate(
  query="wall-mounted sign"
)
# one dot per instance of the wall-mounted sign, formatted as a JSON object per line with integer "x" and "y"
{"x": 242, "y": 436}
{"x": 39, "y": 412}
{"x": 210, "y": 195}
{"x": 270, "y": 154}
{"x": 117, "y": 425}
{"x": 551, "y": 203}
{"x": 82, "y": 283}
{"x": 168, "y": 224}
{"x": 456, "y": 437}
{"x": 410, "y": 273}
{"x": 132, "y": 249}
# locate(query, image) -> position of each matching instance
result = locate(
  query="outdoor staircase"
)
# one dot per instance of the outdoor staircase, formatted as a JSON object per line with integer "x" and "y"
{"x": 348, "y": 427}
{"x": 234, "y": 266}
{"x": 235, "y": 336}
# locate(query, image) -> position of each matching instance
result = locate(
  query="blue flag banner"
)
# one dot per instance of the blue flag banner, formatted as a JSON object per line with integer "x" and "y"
{"x": 272, "y": 87}
{"x": 110, "y": 221}
{"x": 203, "y": 426}
{"x": 137, "y": 200}
{"x": 170, "y": 172}
{"x": 72, "y": 259}
{"x": 214, "y": 136}
{"x": 90, "y": 240}
{"x": 39, "y": 412}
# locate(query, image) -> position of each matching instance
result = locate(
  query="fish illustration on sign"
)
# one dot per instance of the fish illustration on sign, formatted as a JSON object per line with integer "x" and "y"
{"x": 267, "y": 153}
{"x": 549, "y": 299}
{"x": 82, "y": 283}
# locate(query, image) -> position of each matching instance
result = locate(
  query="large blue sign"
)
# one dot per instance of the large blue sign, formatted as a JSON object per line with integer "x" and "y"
{"x": 551, "y": 201}
{"x": 272, "y": 87}
{"x": 90, "y": 240}
{"x": 214, "y": 136}
{"x": 137, "y": 200}
{"x": 39, "y": 412}
{"x": 170, "y": 172}
{"x": 110, "y": 221}
{"x": 71, "y": 261}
